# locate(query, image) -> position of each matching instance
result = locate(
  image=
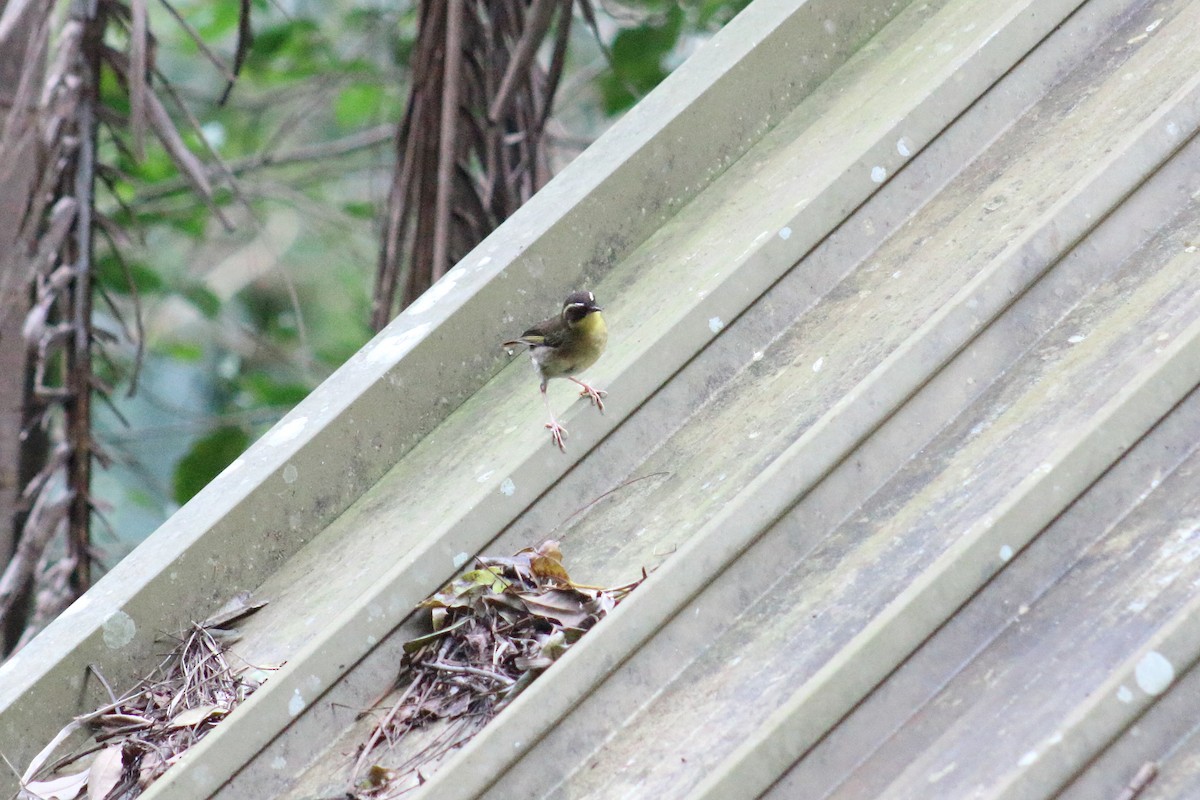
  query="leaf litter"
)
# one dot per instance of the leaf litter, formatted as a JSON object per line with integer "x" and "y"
{"x": 495, "y": 629}
{"x": 134, "y": 738}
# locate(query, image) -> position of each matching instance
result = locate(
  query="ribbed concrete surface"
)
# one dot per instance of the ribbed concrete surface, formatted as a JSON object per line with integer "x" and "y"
{"x": 914, "y": 371}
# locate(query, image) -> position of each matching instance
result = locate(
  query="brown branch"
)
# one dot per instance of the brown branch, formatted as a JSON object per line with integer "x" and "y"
{"x": 448, "y": 138}
{"x": 536, "y": 24}
{"x": 244, "y": 41}
{"x": 78, "y": 406}
{"x": 558, "y": 60}
{"x": 139, "y": 75}
{"x": 334, "y": 148}
{"x": 43, "y": 521}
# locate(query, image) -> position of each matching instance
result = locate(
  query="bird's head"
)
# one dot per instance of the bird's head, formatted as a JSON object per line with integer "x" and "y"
{"x": 578, "y": 306}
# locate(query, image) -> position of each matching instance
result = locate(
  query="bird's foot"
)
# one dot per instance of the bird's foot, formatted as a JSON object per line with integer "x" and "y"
{"x": 594, "y": 395}
{"x": 557, "y": 434}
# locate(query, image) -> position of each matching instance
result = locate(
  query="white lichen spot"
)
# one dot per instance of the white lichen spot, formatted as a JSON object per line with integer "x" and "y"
{"x": 483, "y": 262}
{"x": 878, "y": 174}
{"x": 461, "y": 559}
{"x": 904, "y": 146}
{"x": 1162, "y": 337}
{"x": 1173, "y": 129}
{"x": 830, "y": 26}
{"x": 287, "y": 431}
{"x": 1076, "y": 339}
{"x": 934, "y": 777}
{"x": 785, "y": 233}
{"x": 1028, "y": 759}
{"x": 896, "y": 275}
{"x": 1154, "y": 673}
{"x": 818, "y": 364}
{"x": 508, "y": 488}
{"x": 278, "y": 763}
{"x": 290, "y": 473}
{"x": 118, "y": 630}
{"x": 758, "y": 356}
{"x": 1055, "y": 738}
{"x": 83, "y": 602}
{"x": 388, "y": 349}
{"x": 484, "y": 477}
{"x": 1153, "y": 25}
{"x": 214, "y": 134}
{"x": 715, "y": 324}
{"x": 434, "y": 293}
{"x": 372, "y": 641}
{"x": 1124, "y": 695}
{"x": 296, "y": 704}
{"x": 753, "y": 435}
{"x": 1006, "y": 553}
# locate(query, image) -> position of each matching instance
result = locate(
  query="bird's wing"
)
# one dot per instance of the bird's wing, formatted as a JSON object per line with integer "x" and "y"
{"x": 548, "y": 333}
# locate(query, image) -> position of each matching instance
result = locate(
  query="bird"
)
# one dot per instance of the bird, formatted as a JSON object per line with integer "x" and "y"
{"x": 564, "y": 345}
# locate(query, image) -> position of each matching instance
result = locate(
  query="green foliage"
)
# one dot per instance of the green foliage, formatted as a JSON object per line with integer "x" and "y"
{"x": 266, "y": 390}
{"x": 205, "y": 460}
{"x": 640, "y": 59}
{"x": 645, "y": 52}
{"x": 358, "y": 104}
{"x": 205, "y": 301}
{"x": 133, "y": 276}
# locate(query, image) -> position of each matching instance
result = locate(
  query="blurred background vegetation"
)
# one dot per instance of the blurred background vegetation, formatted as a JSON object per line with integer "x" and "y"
{"x": 227, "y": 313}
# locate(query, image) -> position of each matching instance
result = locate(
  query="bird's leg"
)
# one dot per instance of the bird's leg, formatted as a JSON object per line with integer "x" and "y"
{"x": 595, "y": 395}
{"x": 557, "y": 432}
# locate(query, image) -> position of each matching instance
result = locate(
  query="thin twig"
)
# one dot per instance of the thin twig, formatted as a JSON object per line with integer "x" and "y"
{"x": 96, "y": 671}
{"x": 201, "y": 45}
{"x": 464, "y": 669}
{"x": 321, "y": 152}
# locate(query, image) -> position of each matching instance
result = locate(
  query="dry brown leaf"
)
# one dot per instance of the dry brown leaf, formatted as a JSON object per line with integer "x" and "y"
{"x": 194, "y": 716}
{"x": 549, "y": 567}
{"x": 46, "y": 751}
{"x": 241, "y": 606}
{"x": 561, "y": 606}
{"x": 106, "y": 772}
{"x": 123, "y": 721}
{"x": 66, "y": 787}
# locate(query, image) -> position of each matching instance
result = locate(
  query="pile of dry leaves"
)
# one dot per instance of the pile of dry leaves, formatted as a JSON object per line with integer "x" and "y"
{"x": 137, "y": 736}
{"x": 495, "y": 629}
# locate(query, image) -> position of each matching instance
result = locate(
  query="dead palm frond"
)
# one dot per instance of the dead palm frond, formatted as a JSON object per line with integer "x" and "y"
{"x": 470, "y": 148}
{"x": 54, "y": 122}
